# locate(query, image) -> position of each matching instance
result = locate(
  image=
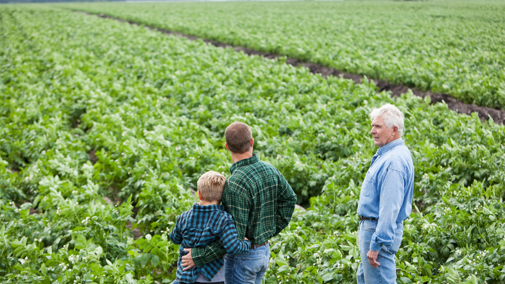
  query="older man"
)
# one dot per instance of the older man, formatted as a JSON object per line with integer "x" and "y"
{"x": 385, "y": 199}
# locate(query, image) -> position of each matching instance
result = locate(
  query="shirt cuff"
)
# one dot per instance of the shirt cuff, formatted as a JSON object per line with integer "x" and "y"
{"x": 198, "y": 256}
{"x": 373, "y": 246}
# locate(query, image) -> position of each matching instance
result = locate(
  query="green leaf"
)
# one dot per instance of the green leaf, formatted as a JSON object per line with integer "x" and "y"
{"x": 43, "y": 269}
{"x": 144, "y": 259}
{"x": 155, "y": 260}
{"x": 328, "y": 276}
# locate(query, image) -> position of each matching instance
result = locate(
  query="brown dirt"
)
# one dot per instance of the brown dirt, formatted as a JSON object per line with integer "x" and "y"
{"x": 92, "y": 156}
{"x": 484, "y": 113}
{"x": 136, "y": 232}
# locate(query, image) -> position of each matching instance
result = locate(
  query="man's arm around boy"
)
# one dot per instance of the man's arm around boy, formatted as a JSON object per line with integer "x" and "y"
{"x": 257, "y": 196}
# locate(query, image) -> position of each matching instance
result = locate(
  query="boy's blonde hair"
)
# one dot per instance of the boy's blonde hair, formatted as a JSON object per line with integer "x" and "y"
{"x": 211, "y": 185}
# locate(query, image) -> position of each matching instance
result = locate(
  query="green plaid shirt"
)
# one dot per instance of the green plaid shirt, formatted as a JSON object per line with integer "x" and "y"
{"x": 261, "y": 202}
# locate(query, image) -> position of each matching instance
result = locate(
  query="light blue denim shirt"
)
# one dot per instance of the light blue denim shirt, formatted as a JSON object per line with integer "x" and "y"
{"x": 386, "y": 193}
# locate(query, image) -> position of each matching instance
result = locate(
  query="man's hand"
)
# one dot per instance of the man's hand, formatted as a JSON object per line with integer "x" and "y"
{"x": 372, "y": 258}
{"x": 187, "y": 260}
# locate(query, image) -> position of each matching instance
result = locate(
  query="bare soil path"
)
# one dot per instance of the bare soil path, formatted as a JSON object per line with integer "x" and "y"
{"x": 484, "y": 113}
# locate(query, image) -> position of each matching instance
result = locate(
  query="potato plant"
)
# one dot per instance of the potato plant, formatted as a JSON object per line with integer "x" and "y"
{"x": 107, "y": 126}
{"x": 448, "y": 47}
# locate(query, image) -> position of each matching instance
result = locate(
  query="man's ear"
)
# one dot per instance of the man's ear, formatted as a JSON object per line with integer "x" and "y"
{"x": 252, "y": 142}
{"x": 395, "y": 130}
{"x": 226, "y": 145}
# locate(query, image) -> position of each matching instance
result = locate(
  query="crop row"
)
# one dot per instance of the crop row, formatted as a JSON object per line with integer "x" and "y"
{"x": 94, "y": 108}
{"x": 444, "y": 46}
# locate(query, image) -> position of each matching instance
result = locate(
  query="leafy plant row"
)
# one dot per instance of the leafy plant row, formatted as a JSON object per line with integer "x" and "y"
{"x": 448, "y": 47}
{"x": 94, "y": 108}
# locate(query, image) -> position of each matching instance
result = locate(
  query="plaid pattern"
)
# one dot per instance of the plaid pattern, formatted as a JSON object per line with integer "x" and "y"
{"x": 261, "y": 202}
{"x": 199, "y": 227}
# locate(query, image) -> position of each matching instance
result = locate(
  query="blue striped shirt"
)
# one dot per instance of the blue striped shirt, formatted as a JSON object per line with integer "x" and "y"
{"x": 199, "y": 227}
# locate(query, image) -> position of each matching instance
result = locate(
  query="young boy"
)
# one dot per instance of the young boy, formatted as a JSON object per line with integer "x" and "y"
{"x": 205, "y": 223}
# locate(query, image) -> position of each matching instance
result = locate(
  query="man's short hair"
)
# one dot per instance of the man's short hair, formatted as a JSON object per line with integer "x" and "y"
{"x": 392, "y": 116}
{"x": 211, "y": 185}
{"x": 238, "y": 137}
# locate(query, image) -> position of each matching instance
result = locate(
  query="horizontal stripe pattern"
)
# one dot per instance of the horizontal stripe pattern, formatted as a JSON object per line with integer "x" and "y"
{"x": 200, "y": 226}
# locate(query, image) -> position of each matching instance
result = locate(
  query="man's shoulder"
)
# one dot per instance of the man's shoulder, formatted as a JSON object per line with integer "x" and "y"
{"x": 248, "y": 175}
{"x": 400, "y": 158}
{"x": 259, "y": 167}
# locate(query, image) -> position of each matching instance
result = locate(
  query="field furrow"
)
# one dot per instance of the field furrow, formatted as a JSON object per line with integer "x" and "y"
{"x": 94, "y": 108}
{"x": 443, "y": 46}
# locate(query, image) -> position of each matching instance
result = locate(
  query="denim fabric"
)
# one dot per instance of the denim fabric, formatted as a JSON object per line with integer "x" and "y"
{"x": 386, "y": 272}
{"x": 179, "y": 282}
{"x": 247, "y": 268}
{"x": 386, "y": 193}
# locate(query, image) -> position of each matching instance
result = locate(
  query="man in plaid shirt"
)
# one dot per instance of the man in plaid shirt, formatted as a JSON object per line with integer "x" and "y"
{"x": 261, "y": 202}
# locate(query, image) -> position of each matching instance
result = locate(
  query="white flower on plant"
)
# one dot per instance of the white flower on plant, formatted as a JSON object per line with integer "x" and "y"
{"x": 85, "y": 221}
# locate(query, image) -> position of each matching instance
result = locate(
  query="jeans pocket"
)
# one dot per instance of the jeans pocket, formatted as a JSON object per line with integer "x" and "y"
{"x": 369, "y": 225}
{"x": 253, "y": 264}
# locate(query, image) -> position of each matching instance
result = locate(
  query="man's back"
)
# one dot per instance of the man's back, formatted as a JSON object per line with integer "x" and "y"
{"x": 261, "y": 202}
{"x": 259, "y": 199}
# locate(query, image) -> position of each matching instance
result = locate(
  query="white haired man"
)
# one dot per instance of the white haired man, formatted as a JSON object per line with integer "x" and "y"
{"x": 385, "y": 199}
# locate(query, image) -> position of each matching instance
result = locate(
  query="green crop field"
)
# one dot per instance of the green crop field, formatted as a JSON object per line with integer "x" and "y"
{"x": 451, "y": 47}
{"x": 96, "y": 110}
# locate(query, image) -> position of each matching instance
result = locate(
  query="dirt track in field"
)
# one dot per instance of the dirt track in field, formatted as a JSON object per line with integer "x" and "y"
{"x": 396, "y": 90}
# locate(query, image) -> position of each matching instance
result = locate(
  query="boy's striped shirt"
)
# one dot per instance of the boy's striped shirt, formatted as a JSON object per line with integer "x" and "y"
{"x": 199, "y": 227}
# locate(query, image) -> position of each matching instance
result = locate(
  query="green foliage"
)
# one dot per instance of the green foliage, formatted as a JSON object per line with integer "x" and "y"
{"x": 94, "y": 108}
{"x": 450, "y": 47}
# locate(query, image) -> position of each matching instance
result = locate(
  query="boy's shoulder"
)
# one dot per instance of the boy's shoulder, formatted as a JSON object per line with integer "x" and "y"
{"x": 184, "y": 215}
{"x": 225, "y": 215}
{"x": 216, "y": 214}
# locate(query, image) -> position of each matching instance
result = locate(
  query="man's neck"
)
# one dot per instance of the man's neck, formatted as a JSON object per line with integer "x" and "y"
{"x": 396, "y": 137}
{"x": 206, "y": 203}
{"x": 237, "y": 157}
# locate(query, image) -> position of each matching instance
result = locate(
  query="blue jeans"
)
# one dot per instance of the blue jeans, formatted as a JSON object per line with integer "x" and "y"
{"x": 386, "y": 272}
{"x": 247, "y": 268}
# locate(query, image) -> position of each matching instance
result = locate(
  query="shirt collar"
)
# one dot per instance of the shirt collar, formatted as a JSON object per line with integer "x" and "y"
{"x": 207, "y": 208}
{"x": 244, "y": 162}
{"x": 390, "y": 146}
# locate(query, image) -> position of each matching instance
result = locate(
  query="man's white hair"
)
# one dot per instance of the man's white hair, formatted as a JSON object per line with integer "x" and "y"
{"x": 392, "y": 116}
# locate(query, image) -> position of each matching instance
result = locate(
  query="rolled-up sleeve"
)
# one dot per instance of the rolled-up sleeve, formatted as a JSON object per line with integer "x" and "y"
{"x": 392, "y": 191}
